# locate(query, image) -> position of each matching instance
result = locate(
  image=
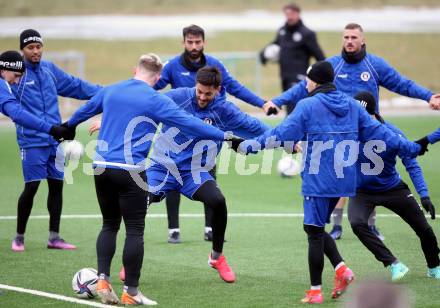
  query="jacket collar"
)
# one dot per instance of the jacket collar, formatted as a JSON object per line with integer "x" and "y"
{"x": 32, "y": 66}
{"x": 354, "y": 57}
{"x": 191, "y": 65}
{"x": 324, "y": 88}
{"x": 294, "y": 27}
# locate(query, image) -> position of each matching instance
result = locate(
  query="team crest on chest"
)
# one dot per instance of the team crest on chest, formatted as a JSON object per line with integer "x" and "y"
{"x": 207, "y": 121}
{"x": 297, "y": 36}
{"x": 365, "y": 76}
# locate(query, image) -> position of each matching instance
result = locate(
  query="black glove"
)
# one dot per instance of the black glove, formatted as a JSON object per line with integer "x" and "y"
{"x": 428, "y": 206}
{"x": 235, "y": 142}
{"x": 60, "y": 133}
{"x": 263, "y": 59}
{"x": 272, "y": 110}
{"x": 423, "y": 142}
{"x": 71, "y": 129}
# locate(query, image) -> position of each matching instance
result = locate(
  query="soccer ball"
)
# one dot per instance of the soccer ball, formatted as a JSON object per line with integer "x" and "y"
{"x": 84, "y": 283}
{"x": 272, "y": 52}
{"x": 288, "y": 167}
{"x": 73, "y": 150}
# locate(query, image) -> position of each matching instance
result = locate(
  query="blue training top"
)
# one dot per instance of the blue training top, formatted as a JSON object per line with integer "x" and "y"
{"x": 178, "y": 76}
{"x": 388, "y": 177}
{"x": 367, "y": 75}
{"x": 329, "y": 123}
{"x": 132, "y": 110}
{"x": 219, "y": 113}
{"x": 37, "y": 92}
{"x": 10, "y": 108}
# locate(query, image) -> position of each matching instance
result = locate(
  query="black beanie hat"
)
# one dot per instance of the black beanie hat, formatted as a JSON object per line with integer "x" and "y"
{"x": 12, "y": 61}
{"x": 30, "y": 36}
{"x": 321, "y": 72}
{"x": 367, "y": 100}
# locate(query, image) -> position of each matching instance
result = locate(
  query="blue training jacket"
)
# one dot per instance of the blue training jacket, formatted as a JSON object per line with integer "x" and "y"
{"x": 219, "y": 113}
{"x": 10, "y": 108}
{"x": 389, "y": 177}
{"x": 434, "y": 137}
{"x": 38, "y": 92}
{"x": 132, "y": 110}
{"x": 366, "y": 75}
{"x": 175, "y": 74}
{"x": 329, "y": 122}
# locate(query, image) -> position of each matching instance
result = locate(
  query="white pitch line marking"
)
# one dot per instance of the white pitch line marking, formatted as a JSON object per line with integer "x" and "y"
{"x": 53, "y": 296}
{"x": 230, "y": 215}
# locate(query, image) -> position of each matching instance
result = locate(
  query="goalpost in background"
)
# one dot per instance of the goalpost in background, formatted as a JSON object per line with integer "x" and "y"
{"x": 74, "y": 63}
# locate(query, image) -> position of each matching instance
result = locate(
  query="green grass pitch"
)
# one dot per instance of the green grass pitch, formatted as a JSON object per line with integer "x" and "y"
{"x": 269, "y": 255}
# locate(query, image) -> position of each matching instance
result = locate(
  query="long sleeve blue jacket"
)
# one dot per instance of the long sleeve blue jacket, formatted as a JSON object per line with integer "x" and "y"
{"x": 10, "y": 108}
{"x": 389, "y": 177}
{"x": 331, "y": 125}
{"x": 37, "y": 93}
{"x": 132, "y": 111}
{"x": 369, "y": 75}
{"x": 220, "y": 114}
{"x": 175, "y": 74}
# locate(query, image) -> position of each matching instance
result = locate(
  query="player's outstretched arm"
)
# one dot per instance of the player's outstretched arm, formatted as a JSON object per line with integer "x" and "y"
{"x": 20, "y": 116}
{"x": 291, "y": 96}
{"x": 238, "y": 90}
{"x": 234, "y": 143}
{"x": 290, "y": 130}
{"x": 416, "y": 174}
{"x": 391, "y": 79}
{"x": 370, "y": 129}
{"x": 240, "y": 123}
{"x": 429, "y": 139}
{"x": 169, "y": 113}
{"x": 71, "y": 86}
{"x": 434, "y": 101}
{"x": 88, "y": 110}
{"x": 433, "y": 137}
{"x": 270, "y": 108}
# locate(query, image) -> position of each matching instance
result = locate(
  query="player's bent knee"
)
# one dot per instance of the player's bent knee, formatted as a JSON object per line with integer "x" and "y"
{"x": 358, "y": 227}
{"x": 314, "y": 232}
{"x": 217, "y": 201}
{"x": 111, "y": 225}
{"x": 426, "y": 231}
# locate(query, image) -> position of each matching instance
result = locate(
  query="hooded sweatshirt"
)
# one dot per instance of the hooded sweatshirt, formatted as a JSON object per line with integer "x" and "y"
{"x": 331, "y": 125}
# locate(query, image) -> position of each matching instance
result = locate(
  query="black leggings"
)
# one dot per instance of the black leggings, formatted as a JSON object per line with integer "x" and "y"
{"x": 320, "y": 243}
{"x": 120, "y": 197}
{"x": 400, "y": 201}
{"x": 173, "y": 203}
{"x": 54, "y": 204}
